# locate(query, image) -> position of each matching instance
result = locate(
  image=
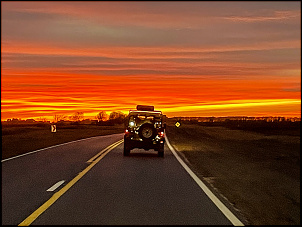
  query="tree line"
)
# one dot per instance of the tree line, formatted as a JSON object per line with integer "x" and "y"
{"x": 116, "y": 117}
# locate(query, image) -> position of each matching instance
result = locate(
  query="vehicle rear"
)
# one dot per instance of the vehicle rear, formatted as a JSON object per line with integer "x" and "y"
{"x": 145, "y": 129}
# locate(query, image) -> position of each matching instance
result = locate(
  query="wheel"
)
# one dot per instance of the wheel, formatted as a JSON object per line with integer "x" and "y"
{"x": 126, "y": 151}
{"x": 161, "y": 150}
{"x": 147, "y": 132}
{"x": 126, "y": 148}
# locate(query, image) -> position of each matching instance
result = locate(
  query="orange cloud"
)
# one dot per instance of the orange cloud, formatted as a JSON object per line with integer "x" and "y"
{"x": 277, "y": 15}
{"x": 185, "y": 58}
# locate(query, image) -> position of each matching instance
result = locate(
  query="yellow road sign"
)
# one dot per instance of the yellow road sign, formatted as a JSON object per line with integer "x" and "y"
{"x": 177, "y": 124}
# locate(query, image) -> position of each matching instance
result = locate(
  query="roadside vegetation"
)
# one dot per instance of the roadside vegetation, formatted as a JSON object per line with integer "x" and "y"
{"x": 252, "y": 166}
{"x": 261, "y": 126}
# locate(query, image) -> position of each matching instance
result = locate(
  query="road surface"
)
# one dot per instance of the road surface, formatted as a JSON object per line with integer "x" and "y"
{"x": 88, "y": 183}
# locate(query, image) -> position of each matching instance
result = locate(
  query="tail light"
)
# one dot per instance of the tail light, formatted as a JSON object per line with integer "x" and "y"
{"x": 162, "y": 134}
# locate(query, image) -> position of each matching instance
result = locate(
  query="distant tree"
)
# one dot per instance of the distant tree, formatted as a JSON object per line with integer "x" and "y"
{"x": 59, "y": 117}
{"x": 78, "y": 116}
{"x": 102, "y": 116}
{"x": 117, "y": 117}
{"x": 43, "y": 119}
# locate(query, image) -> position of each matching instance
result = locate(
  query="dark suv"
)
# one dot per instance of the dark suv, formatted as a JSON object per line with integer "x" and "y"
{"x": 145, "y": 129}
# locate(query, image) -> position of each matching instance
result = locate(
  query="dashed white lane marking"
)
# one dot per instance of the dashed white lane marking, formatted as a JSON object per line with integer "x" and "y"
{"x": 229, "y": 215}
{"x": 55, "y": 186}
{"x": 58, "y": 194}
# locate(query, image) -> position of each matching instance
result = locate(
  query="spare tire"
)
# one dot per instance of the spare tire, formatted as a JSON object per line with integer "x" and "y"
{"x": 147, "y": 132}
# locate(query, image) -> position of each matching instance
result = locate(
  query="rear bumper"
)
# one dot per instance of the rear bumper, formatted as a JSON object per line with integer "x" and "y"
{"x": 135, "y": 142}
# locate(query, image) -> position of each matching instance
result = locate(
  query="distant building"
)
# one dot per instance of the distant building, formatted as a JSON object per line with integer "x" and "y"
{"x": 30, "y": 121}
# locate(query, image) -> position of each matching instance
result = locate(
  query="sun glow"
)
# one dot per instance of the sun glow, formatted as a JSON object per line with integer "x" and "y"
{"x": 88, "y": 59}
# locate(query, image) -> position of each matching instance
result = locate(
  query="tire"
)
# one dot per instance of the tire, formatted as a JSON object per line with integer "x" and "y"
{"x": 126, "y": 148}
{"x": 161, "y": 150}
{"x": 147, "y": 132}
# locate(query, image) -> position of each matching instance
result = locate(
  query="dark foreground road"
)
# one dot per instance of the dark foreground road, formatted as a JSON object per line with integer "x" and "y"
{"x": 141, "y": 189}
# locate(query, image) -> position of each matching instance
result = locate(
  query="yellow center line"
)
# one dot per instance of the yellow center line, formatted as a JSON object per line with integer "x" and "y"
{"x": 58, "y": 194}
{"x": 98, "y": 154}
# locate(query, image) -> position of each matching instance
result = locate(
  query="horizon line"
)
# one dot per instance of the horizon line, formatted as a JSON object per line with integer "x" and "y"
{"x": 234, "y": 116}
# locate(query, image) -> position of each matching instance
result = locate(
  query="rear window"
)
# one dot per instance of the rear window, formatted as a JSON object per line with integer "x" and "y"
{"x": 144, "y": 117}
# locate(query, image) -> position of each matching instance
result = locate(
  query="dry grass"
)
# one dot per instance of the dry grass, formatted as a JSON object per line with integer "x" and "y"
{"x": 257, "y": 174}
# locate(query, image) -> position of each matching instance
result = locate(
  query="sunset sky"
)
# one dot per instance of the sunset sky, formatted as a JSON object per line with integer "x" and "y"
{"x": 192, "y": 58}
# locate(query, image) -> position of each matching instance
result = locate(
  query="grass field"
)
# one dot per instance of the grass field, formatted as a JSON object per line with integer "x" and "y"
{"x": 256, "y": 171}
{"x": 20, "y": 139}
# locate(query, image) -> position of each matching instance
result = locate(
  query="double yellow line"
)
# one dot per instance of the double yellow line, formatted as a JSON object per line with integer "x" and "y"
{"x": 94, "y": 160}
{"x": 105, "y": 151}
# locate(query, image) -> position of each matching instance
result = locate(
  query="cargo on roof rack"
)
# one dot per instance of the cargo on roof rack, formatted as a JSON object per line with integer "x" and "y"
{"x": 145, "y": 108}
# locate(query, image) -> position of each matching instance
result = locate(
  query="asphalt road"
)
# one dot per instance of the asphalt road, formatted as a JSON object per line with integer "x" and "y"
{"x": 141, "y": 189}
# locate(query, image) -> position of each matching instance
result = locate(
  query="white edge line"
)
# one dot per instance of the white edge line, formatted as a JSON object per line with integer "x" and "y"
{"x": 55, "y": 186}
{"x": 229, "y": 215}
{"x": 18, "y": 156}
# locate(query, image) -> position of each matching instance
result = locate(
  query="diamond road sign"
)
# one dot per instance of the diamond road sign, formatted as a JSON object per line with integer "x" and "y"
{"x": 177, "y": 124}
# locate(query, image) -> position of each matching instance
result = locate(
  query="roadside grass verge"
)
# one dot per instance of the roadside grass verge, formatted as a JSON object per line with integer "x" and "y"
{"x": 254, "y": 169}
{"x": 17, "y": 140}
{"x": 264, "y": 127}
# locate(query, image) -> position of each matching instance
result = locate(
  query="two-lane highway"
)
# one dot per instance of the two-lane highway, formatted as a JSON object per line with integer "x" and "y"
{"x": 111, "y": 189}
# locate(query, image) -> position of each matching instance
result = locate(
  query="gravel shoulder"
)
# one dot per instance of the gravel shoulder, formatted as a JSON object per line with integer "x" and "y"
{"x": 256, "y": 174}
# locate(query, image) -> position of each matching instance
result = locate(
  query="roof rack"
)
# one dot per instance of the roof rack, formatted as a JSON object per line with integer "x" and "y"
{"x": 145, "y": 111}
{"x": 145, "y": 108}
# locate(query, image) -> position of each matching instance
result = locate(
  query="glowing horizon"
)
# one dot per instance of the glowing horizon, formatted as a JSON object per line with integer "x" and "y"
{"x": 185, "y": 58}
